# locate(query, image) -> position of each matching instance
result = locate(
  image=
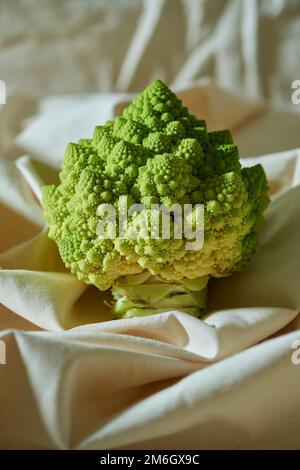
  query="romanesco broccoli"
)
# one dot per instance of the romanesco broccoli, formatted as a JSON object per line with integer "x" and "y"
{"x": 155, "y": 153}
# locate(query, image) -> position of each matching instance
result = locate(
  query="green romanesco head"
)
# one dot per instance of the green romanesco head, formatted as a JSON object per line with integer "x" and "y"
{"x": 155, "y": 153}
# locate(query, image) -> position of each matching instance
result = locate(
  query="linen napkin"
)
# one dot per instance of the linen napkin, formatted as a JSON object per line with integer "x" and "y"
{"x": 229, "y": 379}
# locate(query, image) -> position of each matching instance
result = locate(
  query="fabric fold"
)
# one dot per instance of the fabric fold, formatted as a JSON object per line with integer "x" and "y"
{"x": 168, "y": 380}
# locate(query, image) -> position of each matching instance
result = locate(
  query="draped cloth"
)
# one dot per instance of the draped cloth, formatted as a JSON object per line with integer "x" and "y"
{"x": 71, "y": 377}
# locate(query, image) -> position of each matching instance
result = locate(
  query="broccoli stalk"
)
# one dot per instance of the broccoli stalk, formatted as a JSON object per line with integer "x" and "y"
{"x": 144, "y": 294}
{"x": 155, "y": 153}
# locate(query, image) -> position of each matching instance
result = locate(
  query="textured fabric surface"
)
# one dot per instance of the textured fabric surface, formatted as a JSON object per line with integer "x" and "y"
{"x": 250, "y": 47}
{"x": 74, "y": 378}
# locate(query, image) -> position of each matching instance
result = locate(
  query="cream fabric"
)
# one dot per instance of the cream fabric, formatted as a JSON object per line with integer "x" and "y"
{"x": 250, "y": 46}
{"x": 76, "y": 379}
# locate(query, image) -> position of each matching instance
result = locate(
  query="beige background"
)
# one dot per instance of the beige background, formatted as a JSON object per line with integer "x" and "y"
{"x": 54, "y": 47}
{"x": 64, "y": 46}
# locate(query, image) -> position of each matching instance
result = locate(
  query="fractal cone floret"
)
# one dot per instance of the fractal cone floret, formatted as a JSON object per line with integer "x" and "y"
{"x": 155, "y": 153}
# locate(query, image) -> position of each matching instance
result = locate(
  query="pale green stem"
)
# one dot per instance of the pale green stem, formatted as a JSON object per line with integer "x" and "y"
{"x": 144, "y": 294}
